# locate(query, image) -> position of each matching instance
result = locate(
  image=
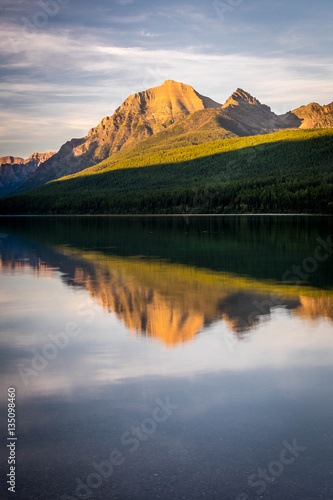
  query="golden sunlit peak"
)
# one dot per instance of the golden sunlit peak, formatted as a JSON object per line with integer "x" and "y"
{"x": 173, "y": 82}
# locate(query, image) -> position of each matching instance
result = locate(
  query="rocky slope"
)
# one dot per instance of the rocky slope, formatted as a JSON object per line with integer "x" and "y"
{"x": 254, "y": 118}
{"x": 11, "y": 160}
{"x": 140, "y": 116}
{"x": 14, "y": 171}
{"x": 315, "y": 116}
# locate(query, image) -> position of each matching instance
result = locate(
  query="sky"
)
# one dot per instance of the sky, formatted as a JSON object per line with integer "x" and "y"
{"x": 66, "y": 64}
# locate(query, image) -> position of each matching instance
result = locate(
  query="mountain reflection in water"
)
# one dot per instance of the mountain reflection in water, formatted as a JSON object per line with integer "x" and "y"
{"x": 164, "y": 300}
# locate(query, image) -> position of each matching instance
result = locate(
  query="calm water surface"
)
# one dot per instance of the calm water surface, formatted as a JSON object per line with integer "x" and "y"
{"x": 168, "y": 357}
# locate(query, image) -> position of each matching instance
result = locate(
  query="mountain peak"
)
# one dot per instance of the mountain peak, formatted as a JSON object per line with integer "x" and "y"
{"x": 159, "y": 107}
{"x": 240, "y": 96}
{"x": 173, "y": 83}
{"x": 40, "y": 157}
{"x": 315, "y": 116}
{"x": 14, "y": 170}
{"x": 10, "y": 160}
{"x": 171, "y": 95}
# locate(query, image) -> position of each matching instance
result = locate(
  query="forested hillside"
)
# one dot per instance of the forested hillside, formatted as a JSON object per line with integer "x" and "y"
{"x": 284, "y": 172}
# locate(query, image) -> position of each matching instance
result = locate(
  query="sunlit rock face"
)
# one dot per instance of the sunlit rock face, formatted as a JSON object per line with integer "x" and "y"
{"x": 11, "y": 160}
{"x": 315, "y": 116}
{"x": 146, "y": 113}
{"x": 140, "y": 116}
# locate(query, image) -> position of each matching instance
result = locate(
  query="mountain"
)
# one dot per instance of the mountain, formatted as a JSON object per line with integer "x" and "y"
{"x": 189, "y": 144}
{"x": 315, "y": 116}
{"x": 258, "y": 118}
{"x": 14, "y": 171}
{"x": 253, "y": 118}
{"x": 141, "y": 115}
{"x": 242, "y": 115}
{"x": 173, "y": 111}
{"x": 11, "y": 160}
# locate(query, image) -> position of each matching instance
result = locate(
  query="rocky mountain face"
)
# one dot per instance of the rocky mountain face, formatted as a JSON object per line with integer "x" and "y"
{"x": 315, "y": 116}
{"x": 172, "y": 109}
{"x": 254, "y": 118}
{"x": 241, "y": 115}
{"x": 11, "y": 160}
{"x": 140, "y": 116}
{"x": 14, "y": 171}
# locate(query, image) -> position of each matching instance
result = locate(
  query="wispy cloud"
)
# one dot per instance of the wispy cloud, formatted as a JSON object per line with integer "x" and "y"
{"x": 88, "y": 59}
{"x": 149, "y": 35}
{"x": 129, "y": 19}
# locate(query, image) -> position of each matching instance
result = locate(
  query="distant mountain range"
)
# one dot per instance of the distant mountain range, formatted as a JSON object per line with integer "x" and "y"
{"x": 14, "y": 171}
{"x": 151, "y": 112}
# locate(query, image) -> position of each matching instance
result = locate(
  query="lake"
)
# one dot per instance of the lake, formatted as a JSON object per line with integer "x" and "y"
{"x": 167, "y": 357}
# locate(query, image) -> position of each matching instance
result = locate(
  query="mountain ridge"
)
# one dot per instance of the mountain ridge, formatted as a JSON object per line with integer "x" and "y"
{"x": 177, "y": 111}
{"x": 315, "y": 116}
{"x": 15, "y": 170}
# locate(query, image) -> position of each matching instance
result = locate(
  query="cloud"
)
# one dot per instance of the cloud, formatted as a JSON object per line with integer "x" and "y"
{"x": 87, "y": 62}
{"x": 79, "y": 82}
{"x": 149, "y": 35}
{"x": 128, "y": 19}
